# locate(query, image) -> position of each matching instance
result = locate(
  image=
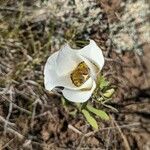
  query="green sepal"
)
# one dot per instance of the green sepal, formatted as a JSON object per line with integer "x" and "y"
{"x": 103, "y": 82}
{"x": 109, "y": 93}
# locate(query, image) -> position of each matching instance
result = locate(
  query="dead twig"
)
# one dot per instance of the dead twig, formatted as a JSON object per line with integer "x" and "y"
{"x": 44, "y": 114}
{"x": 27, "y": 10}
{"x": 112, "y": 128}
{"x": 6, "y": 121}
{"x": 22, "y": 109}
{"x": 7, "y": 144}
{"x": 10, "y": 108}
{"x": 16, "y": 106}
{"x": 126, "y": 143}
{"x": 15, "y": 133}
{"x": 12, "y": 131}
{"x": 75, "y": 129}
{"x": 34, "y": 112}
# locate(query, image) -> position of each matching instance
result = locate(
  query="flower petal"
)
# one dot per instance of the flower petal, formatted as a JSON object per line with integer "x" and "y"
{"x": 66, "y": 60}
{"x": 50, "y": 76}
{"x": 93, "y": 53}
{"x": 52, "y": 79}
{"x": 79, "y": 96}
{"x": 60, "y": 64}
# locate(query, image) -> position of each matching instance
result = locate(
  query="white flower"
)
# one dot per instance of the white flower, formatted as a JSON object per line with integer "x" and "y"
{"x": 75, "y": 70}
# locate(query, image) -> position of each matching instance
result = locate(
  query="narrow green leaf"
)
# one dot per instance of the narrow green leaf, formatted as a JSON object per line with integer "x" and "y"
{"x": 98, "y": 112}
{"x": 90, "y": 119}
{"x": 108, "y": 106}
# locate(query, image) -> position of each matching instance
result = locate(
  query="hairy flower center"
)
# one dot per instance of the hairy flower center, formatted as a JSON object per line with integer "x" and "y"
{"x": 80, "y": 74}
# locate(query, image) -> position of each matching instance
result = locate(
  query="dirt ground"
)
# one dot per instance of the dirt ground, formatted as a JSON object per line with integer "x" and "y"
{"x": 33, "y": 119}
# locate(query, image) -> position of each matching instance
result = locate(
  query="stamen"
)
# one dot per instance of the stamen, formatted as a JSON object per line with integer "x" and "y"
{"x": 80, "y": 74}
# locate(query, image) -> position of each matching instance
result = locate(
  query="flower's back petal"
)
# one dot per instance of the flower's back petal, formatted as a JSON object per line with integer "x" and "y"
{"x": 66, "y": 61}
{"x": 93, "y": 53}
{"x": 79, "y": 96}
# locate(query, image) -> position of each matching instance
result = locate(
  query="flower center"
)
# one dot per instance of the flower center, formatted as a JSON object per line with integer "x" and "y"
{"x": 80, "y": 74}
